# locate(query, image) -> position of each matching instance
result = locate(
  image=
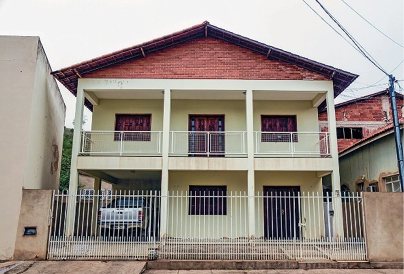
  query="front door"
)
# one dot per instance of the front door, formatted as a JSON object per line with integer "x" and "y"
{"x": 202, "y": 144}
{"x": 281, "y": 212}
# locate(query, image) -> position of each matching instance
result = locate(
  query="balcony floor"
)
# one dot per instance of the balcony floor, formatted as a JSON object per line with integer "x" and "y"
{"x": 203, "y": 163}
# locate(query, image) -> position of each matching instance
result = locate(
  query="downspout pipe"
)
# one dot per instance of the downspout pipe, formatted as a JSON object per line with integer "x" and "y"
{"x": 397, "y": 134}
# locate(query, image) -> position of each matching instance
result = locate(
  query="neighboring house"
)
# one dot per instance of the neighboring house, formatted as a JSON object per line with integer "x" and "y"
{"x": 366, "y": 143}
{"x": 361, "y": 117}
{"x": 205, "y": 110}
{"x": 32, "y": 115}
{"x": 371, "y": 164}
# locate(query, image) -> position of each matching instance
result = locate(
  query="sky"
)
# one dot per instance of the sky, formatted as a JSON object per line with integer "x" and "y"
{"x": 73, "y": 31}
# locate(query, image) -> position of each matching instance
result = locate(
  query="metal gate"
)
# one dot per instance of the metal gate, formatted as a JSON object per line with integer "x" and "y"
{"x": 211, "y": 225}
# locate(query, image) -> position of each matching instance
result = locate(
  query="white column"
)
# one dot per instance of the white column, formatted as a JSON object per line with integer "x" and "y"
{"x": 335, "y": 176}
{"x": 74, "y": 175}
{"x": 250, "y": 155}
{"x": 164, "y": 169}
{"x": 96, "y": 204}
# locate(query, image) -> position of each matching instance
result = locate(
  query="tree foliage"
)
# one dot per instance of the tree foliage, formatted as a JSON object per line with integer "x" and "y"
{"x": 66, "y": 159}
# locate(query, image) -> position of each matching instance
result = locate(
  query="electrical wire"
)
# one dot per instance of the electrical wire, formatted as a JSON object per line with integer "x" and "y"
{"x": 325, "y": 21}
{"x": 385, "y": 35}
{"x": 357, "y": 44}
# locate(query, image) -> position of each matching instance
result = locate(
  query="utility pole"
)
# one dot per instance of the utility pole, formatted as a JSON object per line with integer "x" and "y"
{"x": 392, "y": 93}
{"x": 397, "y": 133}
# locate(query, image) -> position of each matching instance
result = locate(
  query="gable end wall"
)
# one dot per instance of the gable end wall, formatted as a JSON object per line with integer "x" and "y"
{"x": 206, "y": 58}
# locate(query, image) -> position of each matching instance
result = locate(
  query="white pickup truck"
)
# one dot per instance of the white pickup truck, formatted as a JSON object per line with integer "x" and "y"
{"x": 125, "y": 214}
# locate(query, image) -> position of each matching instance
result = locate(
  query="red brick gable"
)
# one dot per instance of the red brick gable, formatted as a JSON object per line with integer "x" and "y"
{"x": 206, "y": 58}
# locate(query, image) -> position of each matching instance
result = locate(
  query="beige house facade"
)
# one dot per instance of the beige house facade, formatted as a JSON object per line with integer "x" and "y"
{"x": 206, "y": 109}
{"x": 33, "y": 114}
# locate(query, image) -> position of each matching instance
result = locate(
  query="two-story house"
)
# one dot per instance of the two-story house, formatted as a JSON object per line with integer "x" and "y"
{"x": 204, "y": 112}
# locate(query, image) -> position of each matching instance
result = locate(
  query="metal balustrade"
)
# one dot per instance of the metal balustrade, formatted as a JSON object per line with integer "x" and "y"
{"x": 208, "y": 143}
{"x": 121, "y": 143}
{"x": 208, "y": 226}
{"x": 291, "y": 144}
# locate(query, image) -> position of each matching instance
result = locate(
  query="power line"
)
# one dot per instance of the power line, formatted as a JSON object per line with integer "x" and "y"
{"x": 325, "y": 21}
{"x": 392, "y": 94}
{"x": 388, "y": 37}
{"x": 391, "y": 71}
{"x": 357, "y": 44}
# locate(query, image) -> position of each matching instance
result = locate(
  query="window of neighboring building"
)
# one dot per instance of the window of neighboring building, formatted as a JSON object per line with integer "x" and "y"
{"x": 349, "y": 133}
{"x": 129, "y": 123}
{"x": 360, "y": 186}
{"x": 372, "y": 187}
{"x": 278, "y": 124}
{"x": 207, "y": 200}
{"x": 345, "y": 191}
{"x": 392, "y": 183}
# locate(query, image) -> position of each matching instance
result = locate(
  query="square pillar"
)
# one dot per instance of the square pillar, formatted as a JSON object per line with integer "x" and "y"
{"x": 335, "y": 176}
{"x": 250, "y": 155}
{"x": 164, "y": 169}
{"x": 96, "y": 205}
{"x": 74, "y": 175}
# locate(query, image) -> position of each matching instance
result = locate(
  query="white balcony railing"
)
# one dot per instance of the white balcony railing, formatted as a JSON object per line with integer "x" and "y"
{"x": 208, "y": 143}
{"x": 291, "y": 144}
{"x": 147, "y": 143}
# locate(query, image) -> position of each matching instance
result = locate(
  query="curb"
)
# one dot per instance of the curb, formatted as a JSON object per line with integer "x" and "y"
{"x": 254, "y": 265}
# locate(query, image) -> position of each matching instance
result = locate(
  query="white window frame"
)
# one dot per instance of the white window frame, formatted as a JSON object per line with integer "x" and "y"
{"x": 390, "y": 180}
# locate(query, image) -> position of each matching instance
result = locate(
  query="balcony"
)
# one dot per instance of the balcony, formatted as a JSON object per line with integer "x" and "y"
{"x": 121, "y": 143}
{"x": 206, "y": 144}
{"x": 291, "y": 144}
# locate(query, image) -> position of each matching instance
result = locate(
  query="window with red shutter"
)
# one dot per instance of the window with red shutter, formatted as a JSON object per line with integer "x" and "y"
{"x": 128, "y": 124}
{"x": 278, "y": 124}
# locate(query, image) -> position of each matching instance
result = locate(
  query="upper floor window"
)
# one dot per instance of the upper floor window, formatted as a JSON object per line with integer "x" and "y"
{"x": 129, "y": 124}
{"x": 278, "y": 124}
{"x": 393, "y": 183}
{"x": 349, "y": 133}
{"x": 207, "y": 200}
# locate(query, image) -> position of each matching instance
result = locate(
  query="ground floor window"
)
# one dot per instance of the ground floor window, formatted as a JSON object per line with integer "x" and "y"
{"x": 392, "y": 183}
{"x": 207, "y": 200}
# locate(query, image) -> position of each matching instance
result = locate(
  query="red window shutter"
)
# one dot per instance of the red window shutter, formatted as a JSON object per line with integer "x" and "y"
{"x": 278, "y": 123}
{"x": 133, "y": 122}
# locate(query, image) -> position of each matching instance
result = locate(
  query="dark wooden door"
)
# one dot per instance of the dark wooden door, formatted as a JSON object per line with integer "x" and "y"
{"x": 200, "y": 142}
{"x": 281, "y": 212}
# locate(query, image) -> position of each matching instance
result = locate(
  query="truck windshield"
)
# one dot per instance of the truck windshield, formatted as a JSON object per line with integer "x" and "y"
{"x": 126, "y": 203}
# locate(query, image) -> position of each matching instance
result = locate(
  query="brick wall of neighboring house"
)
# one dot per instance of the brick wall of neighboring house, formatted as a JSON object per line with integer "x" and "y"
{"x": 370, "y": 114}
{"x": 205, "y": 58}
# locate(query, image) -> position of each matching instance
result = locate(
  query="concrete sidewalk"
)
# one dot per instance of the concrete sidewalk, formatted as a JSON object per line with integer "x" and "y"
{"x": 50, "y": 267}
{"x": 294, "y": 271}
{"x": 136, "y": 267}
